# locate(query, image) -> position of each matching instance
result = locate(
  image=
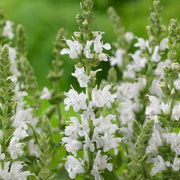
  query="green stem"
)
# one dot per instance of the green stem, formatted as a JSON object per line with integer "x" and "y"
{"x": 56, "y": 90}
{"x": 146, "y": 171}
{"x": 90, "y": 154}
{"x": 89, "y": 89}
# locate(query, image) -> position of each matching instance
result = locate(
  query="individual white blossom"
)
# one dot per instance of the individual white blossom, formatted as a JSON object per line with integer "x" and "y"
{"x": 155, "y": 88}
{"x": 4, "y": 171}
{"x": 87, "y": 50}
{"x": 177, "y": 83}
{"x": 46, "y": 94}
{"x": 99, "y": 46}
{"x": 165, "y": 108}
{"x": 21, "y": 132}
{"x": 75, "y": 49}
{"x": 33, "y": 148}
{"x": 19, "y": 95}
{"x": 130, "y": 72}
{"x": 13, "y": 63}
{"x": 176, "y": 112}
{"x": 176, "y": 164}
{"x": 2, "y": 155}
{"x": 24, "y": 116}
{"x": 16, "y": 171}
{"x": 72, "y": 144}
{"x": 154, "y": 142}
{"x": 88, "y": 144}
{"x": 154, "y": 106}
{"x": 159, "y": 165}
{"x": 1, "y": 134}
{"x": 77, "y": 101}
{"x": 15, "y": 148}
{"x": 164, "y": 44}
{"x": 127, "y": 112}
{"x": 174, "y": 140}
{"x": 82, "y": 78}
{"x": 159, "y": 69}
{"x": 129, "y": 36}
{"x": 118, "y": 59}
{"x": 103, "y": 97}
{"x": 141, "y": 43}
{"x": 13, "y": 171}
{"x": 138, "y": 61}
{"x": 8, "y": 31}
{"x": 155, "y": 56}
{"x": 104, "y": 133}
{"x": 73, "y": 166}
{"x": 100, "y": 163}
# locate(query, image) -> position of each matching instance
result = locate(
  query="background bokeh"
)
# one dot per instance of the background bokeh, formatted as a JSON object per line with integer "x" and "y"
{"x": 43, "y": 18}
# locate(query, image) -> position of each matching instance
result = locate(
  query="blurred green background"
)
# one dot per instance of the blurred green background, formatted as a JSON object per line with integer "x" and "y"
{"x": 43, "y": 18}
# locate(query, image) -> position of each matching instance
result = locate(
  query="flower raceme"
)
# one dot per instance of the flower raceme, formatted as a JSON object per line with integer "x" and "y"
{"x": 91, "y": 133}
{"x": 76, "y": 49}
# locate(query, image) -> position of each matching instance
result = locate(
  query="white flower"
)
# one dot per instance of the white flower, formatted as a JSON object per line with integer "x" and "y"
{"x": 104, "y": 133}
{"x": 165, "y": 108}
{"x": 73, "y": 127}
{"x": 176, "y": 112}
{"x": 19, "y": 95}
{"x": 174, "y": 140}
{"x": 13, "y": 64}
{"x": 177, "y": 83}
{"x": 103, "y": 97}
{"x": 164, "y": 44}
{"x": 110, "y": 142}
{"x": 73, "y": 167}
{"x": 154, "y": 142}
{"x": 17, "y": 173}
{"x": 176, "y": 164}
{"x": 77, "y": 101}
{"x": 33, "y": 148}
{"x": 127, "y": 111}
{"x": 7, "y": 31}
{"x": 118, "y": 59}
{"x": 141, "y": 43}
{"x": 87, "y": 50}
{"x": 159, "y": 70}
{"x": 98, "y": 47}
{"x": 154, "y": 106}
{"x": 100, "y": 163}
{"x": 130, "y": 90}
{"x": 105, "y": 124}
{"x": 84, "y": 125}
{"x": 1, "y": 134}
{"x": 75, "y": 49}
{"x": 155, "y": 88}
{"x": 88, "y": 144}
{"x": 72, "y": 144}
{"x": 130, "y": 72}
{"x": 23, "y": 116}
{"x": 129, "y": 36}
{"x": 20, "y": 132}
{"x": 15, "y": 148}
{"x": 2, "y": 155}
{"x": 138, "y": 61}
{"x": 45, "y": 94}
{"x": 82, "y": 78}
{"x": 4, "y": 171}
{"x": 159, "y": 165}
{"x": 155, "y": 56}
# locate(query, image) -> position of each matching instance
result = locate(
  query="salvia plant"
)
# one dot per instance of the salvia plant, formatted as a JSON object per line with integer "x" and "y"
{"x": 125, "y": 127}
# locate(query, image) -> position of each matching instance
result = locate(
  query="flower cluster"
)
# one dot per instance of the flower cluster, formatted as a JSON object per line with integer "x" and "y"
{"x": 91, "y": 133}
